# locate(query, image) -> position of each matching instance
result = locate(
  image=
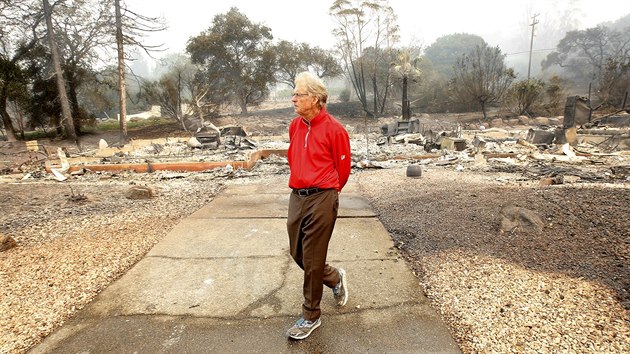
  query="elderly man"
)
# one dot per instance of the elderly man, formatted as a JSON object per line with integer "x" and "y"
{"x": 319, "y": 159}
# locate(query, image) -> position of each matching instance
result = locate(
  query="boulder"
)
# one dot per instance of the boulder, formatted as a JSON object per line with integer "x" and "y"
{"x": 515, "y": 218}
{"x": 6, "y": 243}
{"x": 524, "y": 120}
{"x": 555, "y": 121}
{"x": 497, "y": 123}
{"x": 140, "y": 192}
{"x": 513, "y": 122}
{"x": 542, "y": 121}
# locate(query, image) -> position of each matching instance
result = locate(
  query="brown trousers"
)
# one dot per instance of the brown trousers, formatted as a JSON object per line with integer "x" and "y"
{"x": 310, "y": 223}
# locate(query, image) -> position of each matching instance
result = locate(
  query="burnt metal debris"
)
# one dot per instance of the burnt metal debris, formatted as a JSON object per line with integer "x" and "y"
{"x": 579, "y": 147}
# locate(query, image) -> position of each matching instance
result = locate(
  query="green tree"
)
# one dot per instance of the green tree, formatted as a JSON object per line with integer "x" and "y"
{"x": 83, "y": 30}
{"x": 446, "y": 50}
{"x": 616, "y": 82}
{"x": 99, "y": 92}
{"x": 482, "y": 77}
{"x": 166, "y": 92}
{"x": 555, "y": 96}
{"x": 430, "y": 93}
{"x": 44, "y": 107}
{"x": 525, "y": 95}
{"x": 177, "y": 87}
{"x": 20, "y": 33}
{"x": 293, "y": 58}
{"x": 240, "y": 54}
{"x": 381, "y": 77}
{"x": 16, "y": 92}
{"x": 323, "y": 63}
{"x": 55, "y": 56}
{"x": 366, "y": 34}
{"x": 290, "y": 61}
{"x": 597, "y": 55}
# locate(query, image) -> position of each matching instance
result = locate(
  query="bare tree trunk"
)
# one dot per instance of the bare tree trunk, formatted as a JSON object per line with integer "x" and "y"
{"x": 243, "y": 106}
{"x": 73, "y": 99}
{"x": 405, "y": 100}
{"x": 61, "y": 84}
{"x": 483, "y": 109}
{"x": 199, "y": 109}
{"x": 201, "y": 116}
{"x": 198, "y": 104}
{"x": 375, "y": 99}
{"x": 20, "y": 119}
{"x": 6, "y": 118}
{"x": 180, "y": 112}
{"x": 122, "y": 93}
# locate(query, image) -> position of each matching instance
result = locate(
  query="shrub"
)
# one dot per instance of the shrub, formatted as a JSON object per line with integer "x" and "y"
{"x": 344, "y": 95}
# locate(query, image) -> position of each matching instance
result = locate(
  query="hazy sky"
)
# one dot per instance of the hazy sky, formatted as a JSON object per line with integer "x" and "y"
{"x": 500, "y": 22}
{"x": 420, "y": 21}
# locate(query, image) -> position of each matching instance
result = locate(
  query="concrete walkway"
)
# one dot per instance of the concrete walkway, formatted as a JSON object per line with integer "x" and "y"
{"x": 222, "y": 281}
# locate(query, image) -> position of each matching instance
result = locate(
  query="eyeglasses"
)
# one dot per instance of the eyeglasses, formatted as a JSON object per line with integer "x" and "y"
{"x": 300, "y": 94}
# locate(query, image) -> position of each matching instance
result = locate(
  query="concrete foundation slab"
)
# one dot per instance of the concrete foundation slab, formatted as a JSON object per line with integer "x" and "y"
{"x": 271, "y": 205}
{"x": 407, "y": 329}
{"x": 232, "y": 238}
{"x": 223, "y": 281}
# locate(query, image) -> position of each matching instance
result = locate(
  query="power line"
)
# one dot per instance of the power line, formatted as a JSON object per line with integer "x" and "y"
{"x": 534, "y": 51}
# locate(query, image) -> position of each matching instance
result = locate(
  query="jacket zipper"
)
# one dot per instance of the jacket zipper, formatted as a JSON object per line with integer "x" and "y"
{"x": 308, "y": 131}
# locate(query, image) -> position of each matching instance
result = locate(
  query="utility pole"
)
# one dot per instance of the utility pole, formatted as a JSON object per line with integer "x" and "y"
{"x": 531, "y": 45}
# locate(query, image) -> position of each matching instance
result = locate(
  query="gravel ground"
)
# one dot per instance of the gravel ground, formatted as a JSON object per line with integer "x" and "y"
{"x": 563, "y": 288}
{"x": 72, "y": 248}
{"x": 558, "y": 286}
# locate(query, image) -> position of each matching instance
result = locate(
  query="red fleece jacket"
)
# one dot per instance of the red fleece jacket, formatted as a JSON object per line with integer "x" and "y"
{"x": 319, "y": 153}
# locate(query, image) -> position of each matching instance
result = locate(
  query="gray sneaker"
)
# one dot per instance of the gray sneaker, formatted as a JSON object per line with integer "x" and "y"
{"x": 303, "y": 328}
{"x": 341, "y": 290}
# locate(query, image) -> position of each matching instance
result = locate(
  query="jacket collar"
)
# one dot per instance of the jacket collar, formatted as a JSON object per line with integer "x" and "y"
{"x": 318, "y": 118}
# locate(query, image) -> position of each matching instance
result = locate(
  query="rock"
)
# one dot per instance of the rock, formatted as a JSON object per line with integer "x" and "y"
{"x": 102, "y": 144}
{"x": 547, "y": 181}
{"x": 497, "y": 123}
{"x": 524, "y": 120}
{"x": 6, "y": 243}
{"x": 517, "y": 218}
{"x": 140, "y": 192}
{"x": 541, "y": 121}
{"x": 513, "y": 122}
{"x": 565, "y": 179}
